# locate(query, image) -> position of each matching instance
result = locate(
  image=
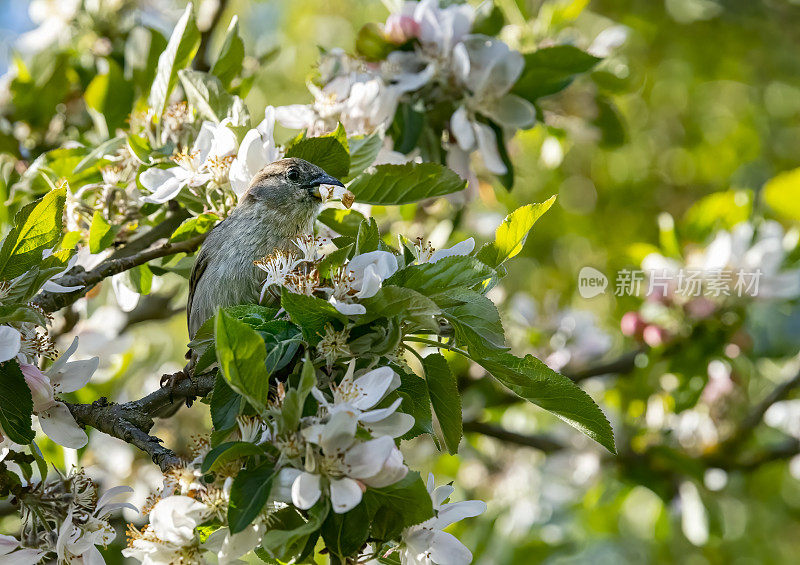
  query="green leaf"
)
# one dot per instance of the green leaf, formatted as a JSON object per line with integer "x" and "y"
{"x": 249, "y": 494}
{"x": 110, "y": 98}
{"x": 445, "y": 399}
{"x": 368, "y": 237}
{"x": 101, "y": 234}
{"x": 195, "y": 226}
{"x": 142, "y": 49}
{"x": 287, "y": 539}
{"x": 241, "y": 354}
{"x": 21, "y": 313}
{"x": 108, "y": 147}
{"x": 310, "y": 313}
{"x": 430, "y": 279}
{"x": 207, "y": 94}
{"x": 416, "y": 402}
{"x": 511, "y": 234}
{"x": 534, "y": 381}
{"x": 16, "y": 404}
{"x": 181, "y": 48}
{"x": 229, "y": 61}
{"x": 343, "y": 222}
{"x": 550, "y": 70}
{"x": 474, "y": 318}
{"x": 406, "y": 128}
{"x": 363, "y": 152}
{"x": 140, "y": 279}
{"x": 282, "y": 340}
{"x": 227, "y": 452}
{"x": 392, "y": 301}
{"x": 719, "y": 210}
{"x": 37, "y": 227}
{"x": 139, "y": 147}
{"x": 330, "y": 152}
{"x": 225, "y": 405}
{"x": 398, "y": 506}
{"x": 782, "y": 194}
{"x": 371, "y": 43}
{"x": 296, "y": 397}
{"x": 344, "y": 534}
{"x": 403, "y": 184}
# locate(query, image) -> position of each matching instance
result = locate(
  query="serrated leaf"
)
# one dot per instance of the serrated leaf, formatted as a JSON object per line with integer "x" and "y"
{"x": 343, "y": 222}
{"x": 195, "y": 226}
{"x": 229, "y": 61}
{"x": 534, "y": 381}
{"x": 227, "y": 452}
{"x": 310, "y": 313}
{"x": 286, "y": 544}
{"x": 249, "y": 494}
{"x": 207, "y": 94}
{"x": 16, "y": 404}
{"x": 181, "y": 49}
{"x": 398, "y": 506}
{"x": 474, "y": 318}
{"x": 391, "y": 301}
{"x": 330, "y": 152}
{"x": 101, "y": 233}
{"x": 37, "y": 227}
{"x": 510, "y": 236}
{"x": 363, "y": 152}
{"x": 225, "y": 406}
{"x": 445, "y": 399}
{"x": 550, "y": 70}
{"x": 416, "y": 402}
{"x": 108, "y": 147}
{"x": 241, "y": 354}
{"x": 404, "y": 184}
{"x": 444, "y": 275}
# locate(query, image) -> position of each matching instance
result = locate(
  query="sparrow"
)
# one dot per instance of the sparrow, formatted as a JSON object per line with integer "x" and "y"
{"x": 282, "y": 202}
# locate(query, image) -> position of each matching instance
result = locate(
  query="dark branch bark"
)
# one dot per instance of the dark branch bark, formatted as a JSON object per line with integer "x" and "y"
{"x": 50, "y": 302}
{"x": 132, "y": 421}
{"x": 540, "y": 442}
{"x": 623, "y": 364}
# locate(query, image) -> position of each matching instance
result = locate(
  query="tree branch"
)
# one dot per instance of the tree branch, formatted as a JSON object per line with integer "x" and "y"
{"x": 131, "y": 421}
{"x": 50, "y": 302}
{"x": 623, "y": 364}
{"x": 540, "y": 442}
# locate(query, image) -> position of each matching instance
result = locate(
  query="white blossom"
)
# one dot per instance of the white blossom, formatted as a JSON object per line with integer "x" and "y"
{"x": 215, "y": 142}
{"x": 62, "y": 376}
{"x": 257, "y": 150}
{"x": 360, "y": 278}
{"x": 427, "y": 543}
{"x": 10, "y": 341}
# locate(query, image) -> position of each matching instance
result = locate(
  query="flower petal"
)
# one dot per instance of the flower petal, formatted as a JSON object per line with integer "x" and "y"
{"x": 345, "y": 494}
{"x": 339, "y": 433}
{"x": 54, "y": 287}
{"x": 346, "y": 308}
{"x": 462, "y": 129}
{"x": 447, "y": 550}
{"x": 10, "y": 340}
{"x": 8, "y": 544}
{"x": 241, "y": 543}
{"x": 59, "y": 425}
{"x": 461, "y": 248}
{"x": 282, "y": 485}
{"x": 366, "y": 459}
{"x": 174, "y": 519}
{"x": 393, "y": 470}
{"x": 306, "y": 490}
{"x": 512, "y": 111}
{"x": 380, "y": 413}
{"x": 394, "y": 425}
{"x": 164, "y": 184}
{"x": 455, "y": 511}
{"x": 127, "y": 299}
{"x": 23, "y": 557}
{"x": 295, "y": 116}
{"x": 374, "y": 385}
{"x": 487, "y": 144}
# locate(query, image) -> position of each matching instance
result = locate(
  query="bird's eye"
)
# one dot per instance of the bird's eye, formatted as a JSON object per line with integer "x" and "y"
{"x": 293, "y": 174}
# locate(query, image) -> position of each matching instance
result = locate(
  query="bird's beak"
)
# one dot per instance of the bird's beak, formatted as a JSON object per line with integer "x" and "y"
{"x": 326, "y": 187}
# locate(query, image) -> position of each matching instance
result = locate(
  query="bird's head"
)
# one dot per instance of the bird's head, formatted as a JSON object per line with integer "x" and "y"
{"x": 289, "y": 187}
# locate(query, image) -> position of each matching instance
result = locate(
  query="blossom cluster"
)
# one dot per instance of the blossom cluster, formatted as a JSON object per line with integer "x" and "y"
{"x": 430, "y": 60}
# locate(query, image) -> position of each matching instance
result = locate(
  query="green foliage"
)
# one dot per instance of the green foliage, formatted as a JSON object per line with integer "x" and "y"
{"x": 194, "y": 226}
{"x": 311, "y": 314}
{"x": 512, "y": 233}
{"x": 182, "y": 46}
{"x": 206, "y": 94}
{"x": 228, "y": 452}
{"x": 229, "y": 61}
{"x": 37, "y": 227}
{"x": 551, "y": 69}
{"x": 329, "y": 152}
{"x": 241, "y": 355}
{"x": 445, "y": 399}
{"x": 534, "y": 381}
{"x": 343, "y": 222}
{"x": 249, "y": 494}
{"x": 101, "y": 233}
{"x": 16, "y": 404}
{"x": 782, "y": 194}
{"x": 402, "y": 184}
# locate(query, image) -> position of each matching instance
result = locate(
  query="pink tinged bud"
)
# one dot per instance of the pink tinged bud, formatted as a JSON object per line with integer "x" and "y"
{"x": 39, "y": 383}
{"x": 654, "y": 336}
{"x": 399, "y": 29}
{"x": 632, "y": 324}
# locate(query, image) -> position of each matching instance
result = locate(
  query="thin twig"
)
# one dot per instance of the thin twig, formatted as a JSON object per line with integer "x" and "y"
{"x": 50, "y": 302}
{"x": 540, "y": 442}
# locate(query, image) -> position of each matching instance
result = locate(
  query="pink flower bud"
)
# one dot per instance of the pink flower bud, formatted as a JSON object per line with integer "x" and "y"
{"x": 39, "y": 383}
{"x": 632, "y": 324}
{"x": 399, "y": 29}
{"x": 654, "y": 336}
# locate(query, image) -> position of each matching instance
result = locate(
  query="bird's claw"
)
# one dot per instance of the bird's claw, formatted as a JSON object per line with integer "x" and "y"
{"x": 170, "y": 381}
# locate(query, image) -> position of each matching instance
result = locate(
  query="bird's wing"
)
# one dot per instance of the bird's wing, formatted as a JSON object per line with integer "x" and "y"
{"x": 199, "y": 267}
